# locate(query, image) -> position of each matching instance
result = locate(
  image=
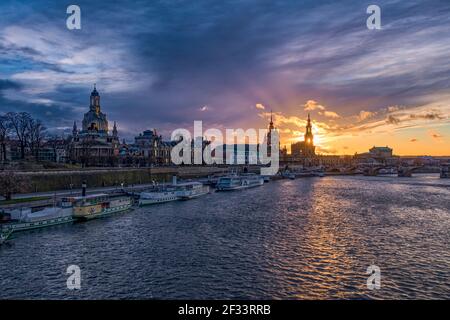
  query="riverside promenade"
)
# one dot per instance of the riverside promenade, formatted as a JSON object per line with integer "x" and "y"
{"x": 44, "y": 187}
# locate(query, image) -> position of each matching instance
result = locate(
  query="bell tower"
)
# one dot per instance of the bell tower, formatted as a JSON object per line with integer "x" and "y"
{"x": 269, "y": 135}
{"x": 309, "y": 138}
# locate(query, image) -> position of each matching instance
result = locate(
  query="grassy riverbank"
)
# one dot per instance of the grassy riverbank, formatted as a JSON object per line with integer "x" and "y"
{"x": 22, "y": 200}
{"x": 66, "y": 179}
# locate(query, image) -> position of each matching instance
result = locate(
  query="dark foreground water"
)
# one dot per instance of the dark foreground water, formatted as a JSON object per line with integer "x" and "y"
{"x": 289, "y": 239}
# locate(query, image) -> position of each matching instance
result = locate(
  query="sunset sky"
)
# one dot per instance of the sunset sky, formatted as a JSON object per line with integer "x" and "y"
{"x": 164, "y": 64}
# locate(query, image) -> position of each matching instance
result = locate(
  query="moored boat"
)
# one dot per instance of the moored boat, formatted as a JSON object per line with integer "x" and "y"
{"x": 235, "y": 182}
{"x": 99, "y": 205}
{"x": 24, "y": 219}
{"x": 158, "y": 195}
{"x": 288, "y": 174}
{"x": 190, "y": 190}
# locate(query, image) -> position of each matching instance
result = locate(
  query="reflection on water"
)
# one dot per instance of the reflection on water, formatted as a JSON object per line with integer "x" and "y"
{"x": 290, "y": 239}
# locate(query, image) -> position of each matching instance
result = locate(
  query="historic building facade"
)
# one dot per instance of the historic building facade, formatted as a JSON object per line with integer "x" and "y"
{"x": 93, "y": 145}
{"x": 148, "y": 149}
{"x": 151, "y": 147}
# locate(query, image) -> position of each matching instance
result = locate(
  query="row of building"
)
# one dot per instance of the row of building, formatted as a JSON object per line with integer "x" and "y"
{"x": 94, "y": 145}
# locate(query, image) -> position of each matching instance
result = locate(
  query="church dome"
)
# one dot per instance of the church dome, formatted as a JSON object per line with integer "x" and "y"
{"x": 94, "y": 120}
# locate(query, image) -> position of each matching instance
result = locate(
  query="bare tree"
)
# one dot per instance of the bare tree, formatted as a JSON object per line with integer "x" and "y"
{"x": 5, "y": 130}
{"x": 11, "y": 183}
{"x": 36, "y": 135}
{"x": 55, "y": 141}
{"x": 20, "y": 125}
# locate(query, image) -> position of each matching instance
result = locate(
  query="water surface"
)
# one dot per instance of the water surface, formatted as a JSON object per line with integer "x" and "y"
{"x": 290, "y": 239}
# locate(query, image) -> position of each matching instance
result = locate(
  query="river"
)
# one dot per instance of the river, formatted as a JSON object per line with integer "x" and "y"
{"x": 309, "y": 238}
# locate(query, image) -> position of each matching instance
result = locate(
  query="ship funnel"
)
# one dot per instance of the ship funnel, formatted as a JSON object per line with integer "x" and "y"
{"x": 174, "y": 180}
{"x": 83, "y": 188}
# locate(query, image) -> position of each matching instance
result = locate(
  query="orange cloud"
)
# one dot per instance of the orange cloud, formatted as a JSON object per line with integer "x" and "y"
{"x": 363, "y": 115}
{"x": 436, "y": 135}
{"x": 311, "y": 105}
{"x": 330, "y": 114}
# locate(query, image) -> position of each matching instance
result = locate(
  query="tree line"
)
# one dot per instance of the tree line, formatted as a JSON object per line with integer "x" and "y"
{"x": 21, "y": 126}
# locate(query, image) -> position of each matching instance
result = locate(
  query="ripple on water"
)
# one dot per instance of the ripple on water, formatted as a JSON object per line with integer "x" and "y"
{"x": 289, "y": 239}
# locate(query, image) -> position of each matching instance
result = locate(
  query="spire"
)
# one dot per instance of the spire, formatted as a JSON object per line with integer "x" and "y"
{"x": 115, "y": 129}
{"x": 271, "y": 127}
{"x": 308, "y": 134}
{"x": 94, "y": 92}
{"x": 74, "y": 130}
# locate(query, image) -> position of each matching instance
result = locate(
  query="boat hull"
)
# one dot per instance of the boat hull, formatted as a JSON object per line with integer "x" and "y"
{"x": 147, "y": 202}
{"x": 194, "y": 193}
{"x": 239, "y": 187}
{"x": 105, "y": 212}
{"x": 24, "y": 226}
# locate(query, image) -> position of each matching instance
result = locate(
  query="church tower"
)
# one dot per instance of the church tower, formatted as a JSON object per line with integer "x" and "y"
{"x": 95, "y": 100}
{"x": 114, "y": 132}
{"x": 74, "y": 129}
{"x": 309, "y": 138}
{"x": 269, "y": 136}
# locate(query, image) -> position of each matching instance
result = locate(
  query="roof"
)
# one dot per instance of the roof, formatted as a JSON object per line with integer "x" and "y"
{"x": 381, "y": 148}
{"x": 89, "y": 196}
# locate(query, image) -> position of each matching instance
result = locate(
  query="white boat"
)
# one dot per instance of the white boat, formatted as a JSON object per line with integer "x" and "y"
{"x": 235, "y": 182}
{"x": 174, "y": 192}
{"x": 287, "y": 174}
{"x": 190, "y": 190}
{"x": 318, "y": 173}
{"x": 387, "y": 171}
{"x": 159, "y": 195}
{"x": 25, "y": 219}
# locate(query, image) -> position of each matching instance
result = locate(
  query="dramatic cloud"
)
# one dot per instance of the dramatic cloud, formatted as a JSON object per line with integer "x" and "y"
{"x": 393, "y": 120}
{"x": 164, "y": 64}
{"x": 363, "y": 115}
{"x": 311, "y": 105}
{"x": 330, "y": 114}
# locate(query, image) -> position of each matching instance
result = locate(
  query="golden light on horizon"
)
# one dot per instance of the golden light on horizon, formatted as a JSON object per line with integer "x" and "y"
{"x": 421, "y": 130}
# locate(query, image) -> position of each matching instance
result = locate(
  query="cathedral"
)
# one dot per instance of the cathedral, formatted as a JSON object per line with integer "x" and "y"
{"x": 93, "y": 145}
{"x": 306, "y": 148}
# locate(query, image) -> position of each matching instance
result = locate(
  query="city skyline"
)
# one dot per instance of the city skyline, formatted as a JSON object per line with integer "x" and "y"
{"x": 230, "y": 64}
